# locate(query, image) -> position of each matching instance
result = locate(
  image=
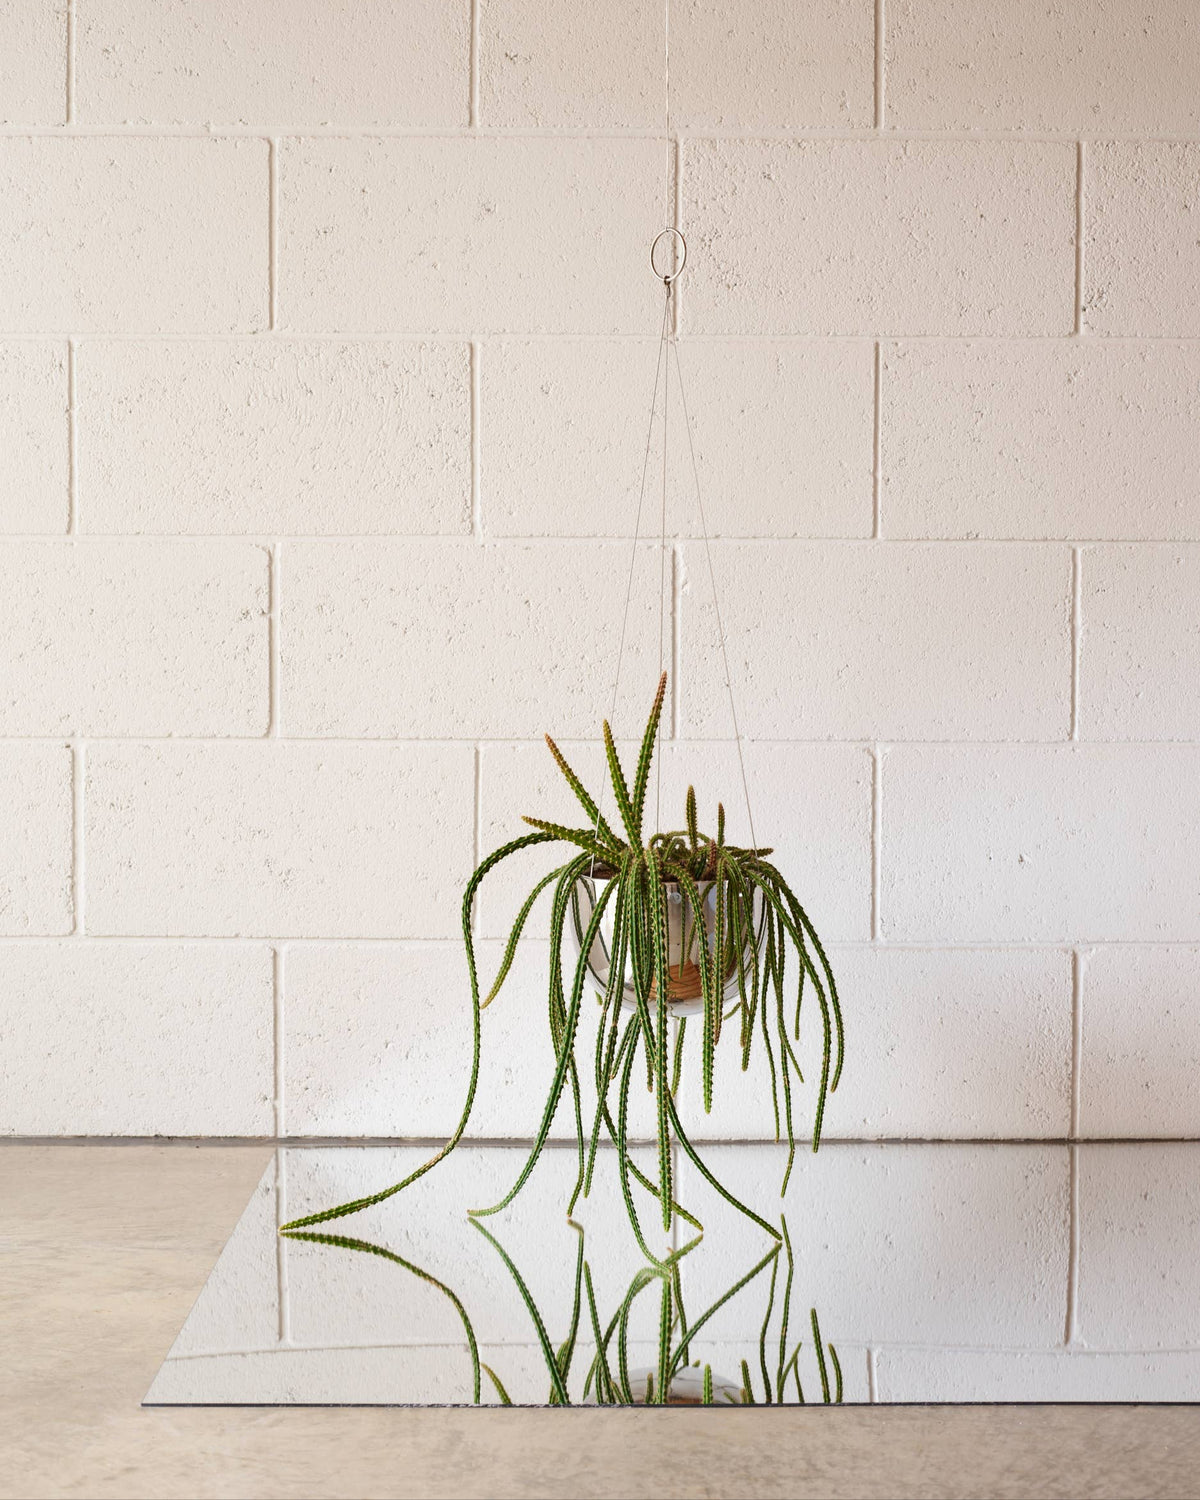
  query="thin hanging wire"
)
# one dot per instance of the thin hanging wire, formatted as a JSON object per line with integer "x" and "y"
{"x": 666, "y": 342}
{"x": 712, "y": 581}
{"x": 668, "y": 206}
{"x": 662, "y": 554}
{"x": 660, "y": 364}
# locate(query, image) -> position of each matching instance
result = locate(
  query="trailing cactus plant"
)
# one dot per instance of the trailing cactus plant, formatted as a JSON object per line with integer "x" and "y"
{"x": 656, "y": 927}
{"x": 608, "y": 1379}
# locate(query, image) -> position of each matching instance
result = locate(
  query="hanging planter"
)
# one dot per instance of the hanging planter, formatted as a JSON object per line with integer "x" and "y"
{"x": 658, "y": 928}
{"x": 661, "y": 929}
{"x": 713, "y": 936}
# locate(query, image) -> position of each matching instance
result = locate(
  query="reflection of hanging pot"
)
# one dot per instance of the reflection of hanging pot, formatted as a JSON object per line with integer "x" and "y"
{"x": 683, "y": 939}
{"x": 687, "y": 1388}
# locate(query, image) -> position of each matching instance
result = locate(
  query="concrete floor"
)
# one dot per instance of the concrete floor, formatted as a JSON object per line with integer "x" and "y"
{"x": 105, "y": 1248}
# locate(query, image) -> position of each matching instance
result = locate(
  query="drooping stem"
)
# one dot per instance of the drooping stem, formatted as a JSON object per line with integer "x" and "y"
{"x": 345, "y": 1242}
{"x": 565, "y": 1059}
{"x": 762, "y": 1337}
{"x": 658, "y": 909}
{"x": 473, "y": 885}
{"x": 556, "y": 1381}
{"x": 665, "y": 1324}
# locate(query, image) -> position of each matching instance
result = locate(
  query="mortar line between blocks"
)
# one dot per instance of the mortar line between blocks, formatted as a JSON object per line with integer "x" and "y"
{"x": 477, "y": 821}
{"x": 473, "y": 69}
{"x": 677, "y": 150}
{"x": 876, "y": 839}
{"x": 72, "y": 463}
{"x": 277, "y": 980}
{"x": 281, "y": 1264}
{"x": 880, "y": 35}
{"x": 451, "y": 942}
{"x": 872, "y": 1377}
{"x": 296, "y": 129}
{"x": 278, "y": 1037}
{"x": 616, "y": 539}
{"x": 877, "y": 452}
{"x": 1072, "y": 1320}
{"x": 413, "y": 741}
{"x": 476, "y": 439}
{"x": 1079, "y": 237}
{"x": 273, "y": 660}
{"x": 1076, "y": 634}
{"x": 676, "y": 147}
{"x": 78, "y": 900}
{"x": 1078, "y": 962}
{"x": 568, "y": 1143}
{"x": 676, "y": 610}
{"x": 70, "y": 78}
{"x": 426, "y": 334}
{"x": 732, "y": 1351}
{"x": 272, "y": 234}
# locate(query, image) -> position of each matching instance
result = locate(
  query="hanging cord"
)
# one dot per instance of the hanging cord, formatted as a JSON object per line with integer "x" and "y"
{"x": 668, "y": 215}
{"x": 667, "y": 341}
{"x": 712, "y": 580}
{"x": 662, "y": 545}
{"x": 669, "y": 345}
{"x": 659, "y": 365}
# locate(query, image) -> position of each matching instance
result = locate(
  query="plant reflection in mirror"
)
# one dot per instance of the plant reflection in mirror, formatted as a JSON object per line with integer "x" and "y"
{"x": 682, "y": 922}
{"x": 365, "y": 1247}
{"x": 608, "y": 1379}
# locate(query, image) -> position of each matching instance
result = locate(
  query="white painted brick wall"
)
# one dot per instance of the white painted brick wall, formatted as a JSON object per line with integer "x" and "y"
{"x": 837, "y": 237}
{"x": 558, "y": 463}
{"x": 570, "y": 67}
{"x": 1140, "y": 1045}
{"x": 299, "y": 62}
{"x": 1141, "y": 255}
{"x": 36, "y": 885}
{"x": 33, "y": 78}
{"x": 467, "y": 235}
{"x": 1049, "y": 844}
{"x": 380, "y": 1041}
{"x": 404, "y": 639}
{"x": 258, "y": 839}
{"x": 328, "y": 339}
{"x": 34, "y": 437}
{"x": 267, "y": 437}
{"x": 134, "y": 1036}
{"x": 828, "y": 644}
{"x": 1093, "y": 65}
{"x": 1139, "y": 1220}
{"x": 1013, "y": 439}
{"x": 1139, "y": 643}
{"x": 773, "y": 65}
{"x": 128, "y": 637}
{"x": 134, "y": 234}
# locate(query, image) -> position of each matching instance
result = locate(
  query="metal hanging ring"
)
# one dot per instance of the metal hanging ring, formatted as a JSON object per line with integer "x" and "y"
{"x": 678, "y": 271}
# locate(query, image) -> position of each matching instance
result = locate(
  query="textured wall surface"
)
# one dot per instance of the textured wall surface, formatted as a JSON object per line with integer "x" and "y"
{"x": 327, "y": 340}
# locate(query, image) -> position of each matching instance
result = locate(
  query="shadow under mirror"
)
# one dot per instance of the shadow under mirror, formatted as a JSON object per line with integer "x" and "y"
{"x": 896, "y": 1272}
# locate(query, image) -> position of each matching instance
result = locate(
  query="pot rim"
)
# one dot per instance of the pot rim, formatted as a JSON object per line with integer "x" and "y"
{"x": 604, "y": 873}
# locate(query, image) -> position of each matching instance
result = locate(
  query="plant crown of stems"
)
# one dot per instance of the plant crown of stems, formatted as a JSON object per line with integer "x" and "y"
{"x": 745, "y": 924}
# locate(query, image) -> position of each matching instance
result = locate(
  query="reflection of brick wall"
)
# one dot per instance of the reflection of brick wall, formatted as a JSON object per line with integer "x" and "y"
{"x": 942, "y": 1271}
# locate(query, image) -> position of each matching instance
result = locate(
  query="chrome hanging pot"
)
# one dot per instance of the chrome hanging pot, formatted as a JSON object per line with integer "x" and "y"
{"x": 684, "y": 935}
